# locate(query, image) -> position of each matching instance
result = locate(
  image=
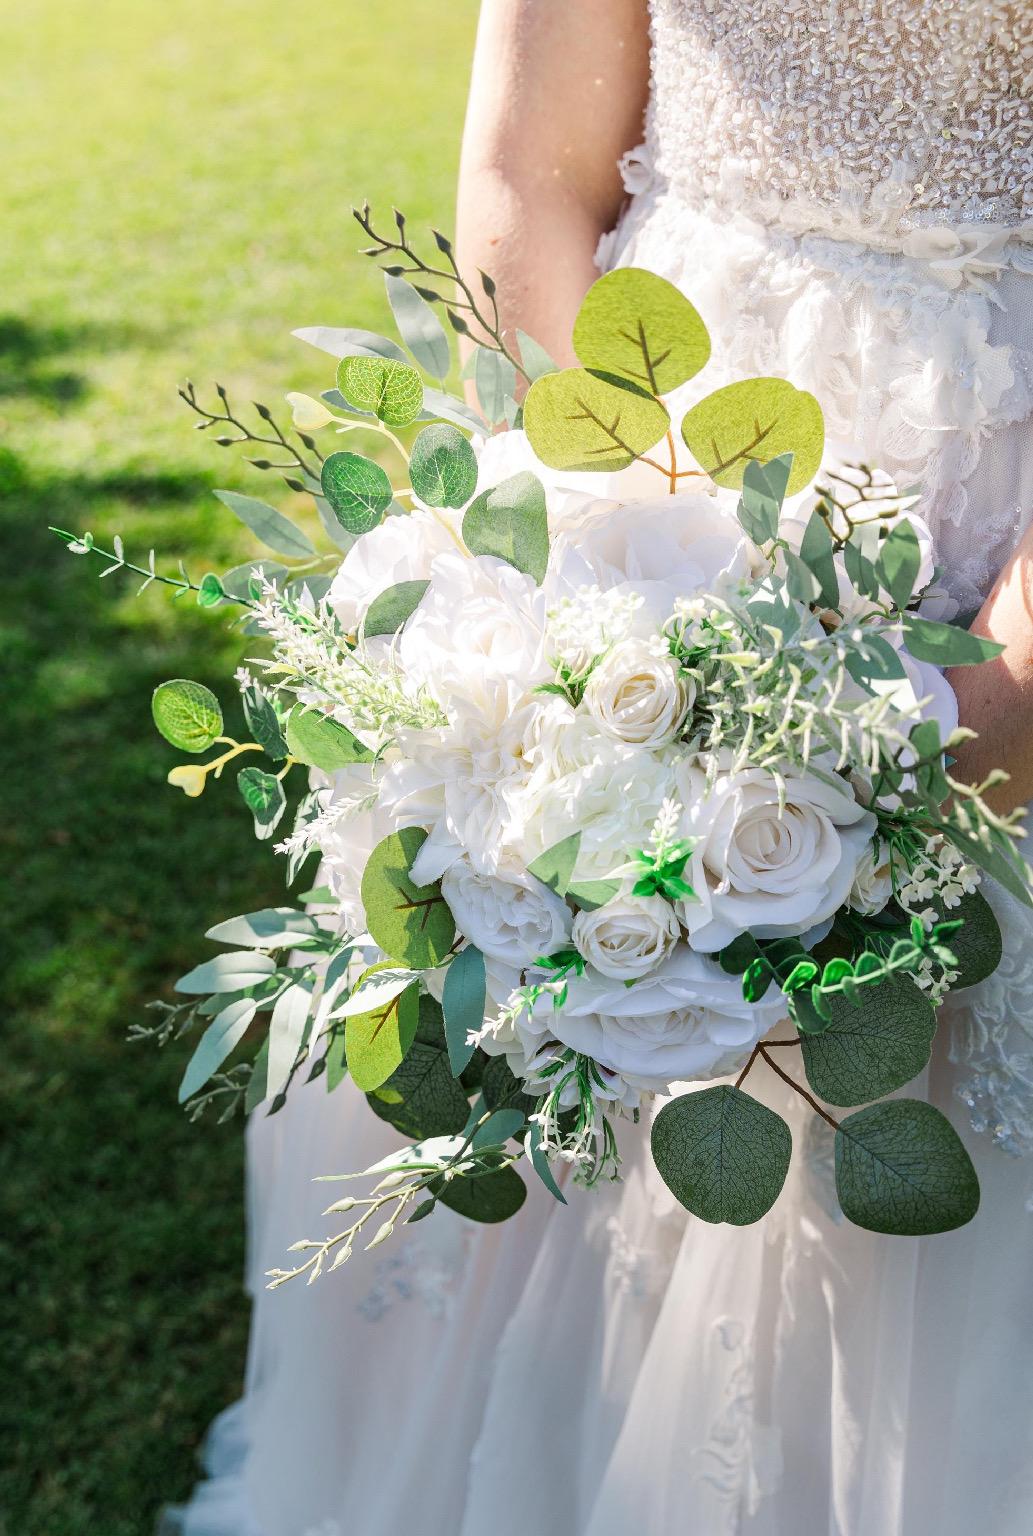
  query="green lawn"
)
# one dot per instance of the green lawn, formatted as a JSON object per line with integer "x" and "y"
{"x": 178, "y": 183}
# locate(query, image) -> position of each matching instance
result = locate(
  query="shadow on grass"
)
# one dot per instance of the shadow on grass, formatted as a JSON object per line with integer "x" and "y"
{"x": 120, "y": 1223}
{"x": 27, "y": 349}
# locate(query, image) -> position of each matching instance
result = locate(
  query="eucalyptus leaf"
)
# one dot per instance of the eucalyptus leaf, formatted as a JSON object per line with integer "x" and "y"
{"x": 418, "y": 326}
{"x": 210, "y": 592}
{"x": 722, "y": 1154}
{"x": 636, "y": 324}
{"x": 346, "y": 341}
{"x": 263, "y": 795}
{"x": 755, "y": 419}
{"x": 501, "y": 1089}
{"x": 392, "y": 391}
{"x": 901, "y": 1168}
{"x": 389, "y": 609}
{"x": 443, "y": 466}
{"x": 187, "y": 714}
{"x": 577, "y": 420}
{"x": 269, "y": 928}
{"x": 499, "y": 1127}
{"x": 816, "y": 552}
{"x": 873, "y": 1046}
{"x": 540, "y": 1163}
{"x": 269, "y": 525}
{"x": 437, "y": 404}
{"x": 237, "y": 582}
{"x": 286, "y": 1034}
{"x": 357, "y": 489}
{"x": 430, "y": 1102}
{"x": 336, "y": 1061}
{"x": 511, "y": 522}
{"x": 257, "y": 1093}
{"x": 263, "y": 722}
{"x": 495, "y": 378}
{"x": 462, "y": 1003}
{"x": 376, "y": 1042}
{"x": 946, "y": 645}
{"x": 322, "y": 742}
{"x": 411, "y": 923}
{"x": 555, "y": 866}
{"x": 977, "y": 944}
{"x": 223, "y": 1034}
{"x": 899, "y": 561}
{"x": 533, "y": 356}
{"x": 763, "y": 492}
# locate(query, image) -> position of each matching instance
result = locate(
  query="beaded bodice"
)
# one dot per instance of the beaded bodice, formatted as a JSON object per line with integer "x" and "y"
{"x": 876, "y": 115}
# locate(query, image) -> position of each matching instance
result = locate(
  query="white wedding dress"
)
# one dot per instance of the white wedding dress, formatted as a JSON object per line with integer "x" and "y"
{"x": 845, "y": 190}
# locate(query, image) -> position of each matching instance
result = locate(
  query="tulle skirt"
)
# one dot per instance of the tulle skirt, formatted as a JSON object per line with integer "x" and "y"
{"x": 614, "y": 1364}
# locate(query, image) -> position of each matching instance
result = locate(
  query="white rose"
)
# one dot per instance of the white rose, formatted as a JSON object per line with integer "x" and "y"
{"x": 764, "y": 868}
{"x": 628, "y": 937}
{"x": 663, "y": 550}
{"x": 398, "y": 549}
{"x": 638, "y": 694}
{"x": 508, "y": 914}
{"x": 873, "y": 882}
{"x": 686, "y": 1020}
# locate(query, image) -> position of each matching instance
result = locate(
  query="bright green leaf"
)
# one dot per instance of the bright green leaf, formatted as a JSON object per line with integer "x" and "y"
{"x": 901, "y": 1168}
{"x": 392, "y": 391}
{"x": 263, "y": 795}
{"x": 755, "y": 419}
{"x": 274, "y": 530}
{"x": 357, "y": 489}
{"x": 322, "y": 742}
{"x": 511, "y": 523}
{"x": 376, "y": 1042}
{"x": 411, "y": 923}
{"x": 722, "y": 1154}
{"x": 211, "y": 591}
{"x": 636, "y": 324}
{"x": 576, "y": 420}
{"x": 187, "y": 714}
{"x": 443, "y": 466}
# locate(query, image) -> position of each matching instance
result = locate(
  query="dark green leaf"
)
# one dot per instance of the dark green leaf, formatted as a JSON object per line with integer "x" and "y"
{"x": 511, "y": 523}
{"x": 462, "y": 1003}
{"x": 901, "y": 1168}
{"x": 275, "y": 530}
{"x": 422, "y": 1097}
{"x": 501, "y": 1089}
{"x": 945, "y": 644}
{"x": 977, "y": 944}
{"x": 540, "y": 1163}
{"x": 872, "y": 1047}
{"x": 357, "y": 489}
{"x": 490, "y": 1198}
{"x": 263, "y": 795}
{"x": 722, "y": 1154}
{"x": 263, "y": 722}
{"x": 443, "y": 466}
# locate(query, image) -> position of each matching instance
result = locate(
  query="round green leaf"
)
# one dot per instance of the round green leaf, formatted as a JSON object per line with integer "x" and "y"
{"x": 756, "y": 419}
{"x": 901, "y": 1168}
{"x": 377, "y": 1042}
{"x": 873, "y": 1046}
{"x": 443, "y": 467}
{"x": 389, "y": 609}
{"x": 576, "y": 420}
{"x": 392, "y": 391}
{"x": 187, "y": 714}
{"x": 411, "y": 923}
{"x": 357, "y": 489}
{"x": 978, "y": 946}
{"x": 511, "y": 523}
{"x": 211, "y": 591}
{"x": 642, "y": 327}
{"x": 321, "y": 742}
{"x": 722, "y": 1154}
{"x": 489, "y": 1198}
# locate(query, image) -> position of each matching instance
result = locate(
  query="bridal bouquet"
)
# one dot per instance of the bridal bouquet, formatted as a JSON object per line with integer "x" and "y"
{"x": 625, "y": 751}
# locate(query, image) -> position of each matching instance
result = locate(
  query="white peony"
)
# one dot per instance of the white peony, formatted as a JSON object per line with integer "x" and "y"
{"x": 508, "y": 914}
{"x": 628, "y": 937}
{"x": 762, "y": 867}
{"x": 398, "y": 549}
{"x": 638, "y": 694}
{"x": 686, "y": 1020}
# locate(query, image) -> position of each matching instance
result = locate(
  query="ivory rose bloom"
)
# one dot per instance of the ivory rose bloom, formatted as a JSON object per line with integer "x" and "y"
{"x": 398, "y": 549}
{"x": 628, "y": 937}
{"x": 508, "y": 914}
{"x": 762, "y": 867}
{"x": 638, "y": 693}
{"x": 873, "y": 882}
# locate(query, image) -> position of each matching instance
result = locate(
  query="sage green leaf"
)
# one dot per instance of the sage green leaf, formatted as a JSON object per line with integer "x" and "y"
{"x": 187, "y": 714}
{"x": 998, "y": 858}
{"x": 801, "y": 583}
{"x": 286, "y": 1034}
{"x": 540, "y": 1163}
{"x": 462, "y": 1003}
{"x": 270, "y": 928}
{"x": 392, "y": 391}
{"x": 534, "y": 357}
{"x": 418, "y": 326}
{"x": 263, "y": 722}
{"x": 763, "y": 492}
{"x": 636, "y": 324}
{"x": 978, "y": 944}
{"x": 231, "y": 972}
{"x": 346, "y": 341}
{"x": 817, "y": 554}
{"x": 443, "y": 466}
{"x": 873, "y": 1046}
{"x": 555, "y": 866}
{"x": 576, "y": 420}
{"x": 722, "y": 1154}
{"x": 451, "y": 408}
{"x": 500, "y": 1125}
{"x": 376, "y": 1042}
{"x": 429, "y": 1102}
{"x": 859, "y": 556}
{"x": 263, "y": 795}
{"x": 225, "y": 1032}
{"x": 495, "y": 378}
{"x": 210, "y": 592}
{"x": 411, "y": 923}
{"x": 755, "y": 419}
{"x": 322, "y": 742}
{"x": 389, "y": 609}
{"x": 274, "y": 530}
{"x": 237, "y": 582}
{"x": 357, "y": 489}
{"x": 899, "y": 561}
{"x": 945, "y": 644}
{"x": 490, "y": 1198}
{"x": 901, "y": 1168}
{"x": 511, "y": 523}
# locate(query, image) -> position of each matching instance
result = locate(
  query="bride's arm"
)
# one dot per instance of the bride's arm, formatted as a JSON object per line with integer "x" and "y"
{"x": 996, "y": 699}
{"x": 558, "y": 93}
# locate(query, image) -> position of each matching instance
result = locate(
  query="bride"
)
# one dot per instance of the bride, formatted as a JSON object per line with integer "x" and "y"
{"x": 845, "y": 190}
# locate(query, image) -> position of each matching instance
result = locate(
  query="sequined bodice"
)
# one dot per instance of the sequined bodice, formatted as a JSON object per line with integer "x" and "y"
{"x": 883, "y": 114}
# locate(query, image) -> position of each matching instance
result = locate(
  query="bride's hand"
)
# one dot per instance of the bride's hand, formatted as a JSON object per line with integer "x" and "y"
{"x": 557, "y": 96}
